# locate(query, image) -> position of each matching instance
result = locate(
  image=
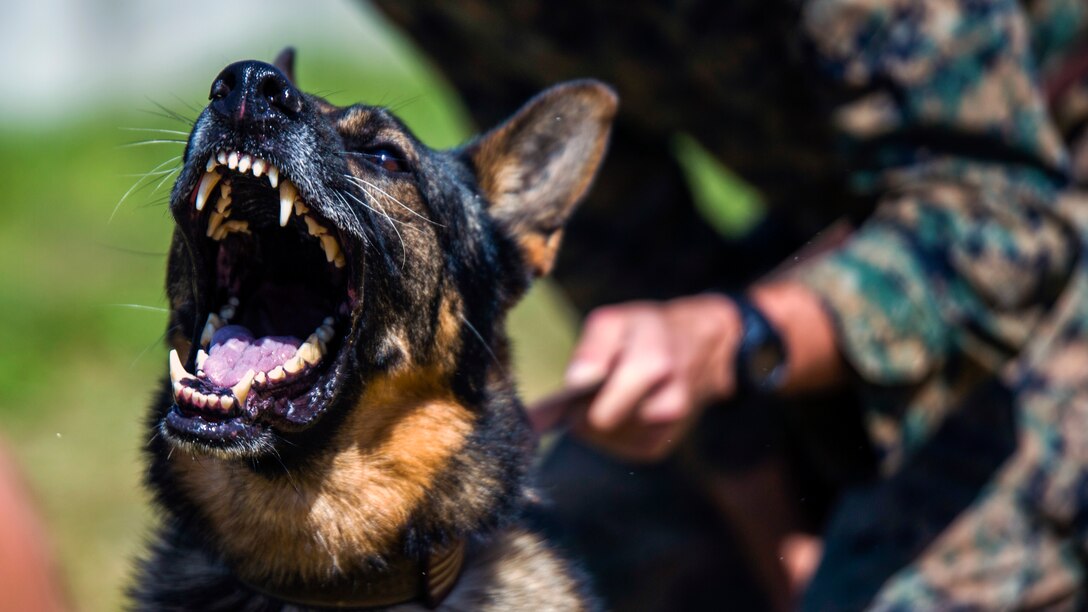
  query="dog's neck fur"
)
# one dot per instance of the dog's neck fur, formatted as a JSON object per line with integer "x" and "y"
{"x": 351, "y": 508}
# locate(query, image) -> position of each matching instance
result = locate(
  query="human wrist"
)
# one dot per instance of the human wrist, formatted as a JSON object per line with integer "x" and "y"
{"x": 798, "y": 314}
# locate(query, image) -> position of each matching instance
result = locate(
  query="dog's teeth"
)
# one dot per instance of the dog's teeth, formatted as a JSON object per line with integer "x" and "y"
{"x": 331, "y": 247}
{"x": 313, "y": 227}
{"x": 199, "y": 399}
{"x": 241, "y": 388}
{"x": 223, "y": 203}
{"x": 212, "y": 326}
{"x": 178, "y": 372}
{"x": 221, "y": 157}
{"x": 226, "y": 403}
{"x": 211, "y": 164}
{"x": 201, "y": 356}
{"x": 232, "y": 160}
{"x": 207, "y": 183}
{"x": 213, "y": 402}
{"x": 244, "y": 163}
{"x": 258, "y": 167}
{"x": 340, "y": 261}
{"x": 293, "y": 365}
{"x": 277, "y": 374}
{"x": 324, "y": 332}
{"x": 186, "y": 394}
{"x": 328, "y": 321}
{"x": 287, "y": 200}
{"x": 310, "y": 351}
{"x": 227, "y": 312}
{"x": 273, "y": 176}
{"x": 231, "y": 226}
{"x": 260, "y": 378}
{"x": 300, "y": 208}
{"x": 214, "y": 222}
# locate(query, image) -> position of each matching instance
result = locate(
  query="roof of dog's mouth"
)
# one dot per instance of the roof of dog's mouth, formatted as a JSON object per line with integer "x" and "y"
{"x": 278, "y": 298}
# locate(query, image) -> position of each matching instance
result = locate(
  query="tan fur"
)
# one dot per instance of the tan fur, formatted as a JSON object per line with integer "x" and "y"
{"x": 540, "y": 250}
{"x": 508, "y": 161}
{"x": 352, "y": 503}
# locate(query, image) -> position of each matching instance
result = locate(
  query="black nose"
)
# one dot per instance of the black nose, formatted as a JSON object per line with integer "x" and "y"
{"x": 253, "y": 92}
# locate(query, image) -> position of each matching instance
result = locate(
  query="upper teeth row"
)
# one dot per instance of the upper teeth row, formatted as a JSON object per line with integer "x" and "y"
{"x": 219, "y": 227}
{"x": 244, "y": 162}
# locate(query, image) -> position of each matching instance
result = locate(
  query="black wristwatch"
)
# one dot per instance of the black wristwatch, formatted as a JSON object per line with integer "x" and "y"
{"x": 761, "y": 355}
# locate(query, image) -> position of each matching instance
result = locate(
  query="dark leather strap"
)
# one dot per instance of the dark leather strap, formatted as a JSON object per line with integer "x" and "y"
{"x": 428, "y": 581}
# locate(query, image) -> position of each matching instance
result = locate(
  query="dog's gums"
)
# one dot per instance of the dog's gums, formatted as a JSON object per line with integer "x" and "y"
{"x": 279, "y": 279}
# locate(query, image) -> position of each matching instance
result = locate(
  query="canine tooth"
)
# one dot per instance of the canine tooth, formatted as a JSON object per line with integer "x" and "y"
{"x": 211, "y": 163}
{"x": 244, "y": 163}
{"x": 273, "y": 175}
{"x": 300, "y": 208}
{"x": 293, "y": 365}
{"x": 258, "y": 167}
{"x": 331, "y": 246}
{"x": 313, "y": 227}
{"x": 287, "y": 200}
{"x": 276, "y": 374}
{"x": 207, "y": 183}
{"x": 178, "y": 372}
{"x": 241, "y": 388}
{"x": 221, "y": 157}
{"x": 226, "y": 403}
{"x": 232, "y": 160}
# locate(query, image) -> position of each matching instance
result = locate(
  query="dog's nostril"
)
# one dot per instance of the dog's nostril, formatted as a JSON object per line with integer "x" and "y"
{"x": 220, "y": 89}
{"x": 281, "y": 95}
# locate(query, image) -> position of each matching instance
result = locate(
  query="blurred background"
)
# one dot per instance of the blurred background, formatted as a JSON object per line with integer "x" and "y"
{"x": 93, "y": 117}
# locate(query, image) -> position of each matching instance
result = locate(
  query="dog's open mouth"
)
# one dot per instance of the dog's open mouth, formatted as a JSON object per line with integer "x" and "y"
{"x": 278, "y": 299}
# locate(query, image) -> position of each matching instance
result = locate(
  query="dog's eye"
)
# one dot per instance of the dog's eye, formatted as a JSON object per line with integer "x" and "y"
{"x": 386, "y": 158}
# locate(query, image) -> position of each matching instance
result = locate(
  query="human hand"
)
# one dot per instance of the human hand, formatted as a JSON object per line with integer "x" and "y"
{"x": 642, "y": 373}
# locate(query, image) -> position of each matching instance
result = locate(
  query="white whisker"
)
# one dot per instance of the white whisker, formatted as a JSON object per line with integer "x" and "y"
{"x": 361, "y": 182}
{"x": 137, "y": 184}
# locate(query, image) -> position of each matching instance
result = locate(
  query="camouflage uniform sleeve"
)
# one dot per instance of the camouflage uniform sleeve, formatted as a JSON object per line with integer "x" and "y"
{"x": 944, "y": 129}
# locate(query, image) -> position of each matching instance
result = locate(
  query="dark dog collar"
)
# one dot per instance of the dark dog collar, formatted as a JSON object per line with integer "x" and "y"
{"x": 428, "y": 581}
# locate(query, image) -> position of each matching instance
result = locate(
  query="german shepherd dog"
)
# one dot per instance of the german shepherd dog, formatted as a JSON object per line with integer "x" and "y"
{"x": 339, "y": 428}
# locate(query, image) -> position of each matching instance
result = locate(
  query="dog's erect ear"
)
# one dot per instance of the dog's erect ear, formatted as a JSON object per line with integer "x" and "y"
{"x": 285, "y": 61}
{"x": 537, "y": 165}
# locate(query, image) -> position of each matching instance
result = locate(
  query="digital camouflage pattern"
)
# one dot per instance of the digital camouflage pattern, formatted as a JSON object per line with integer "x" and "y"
{"x": 950, "y": 132}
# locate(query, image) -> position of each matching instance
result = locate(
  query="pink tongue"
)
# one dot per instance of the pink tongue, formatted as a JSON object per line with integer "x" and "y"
{"x": 234, "y": 351}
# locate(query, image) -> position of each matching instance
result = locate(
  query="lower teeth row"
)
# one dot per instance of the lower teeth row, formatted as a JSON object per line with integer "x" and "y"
{"x": 309, "y": 353}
